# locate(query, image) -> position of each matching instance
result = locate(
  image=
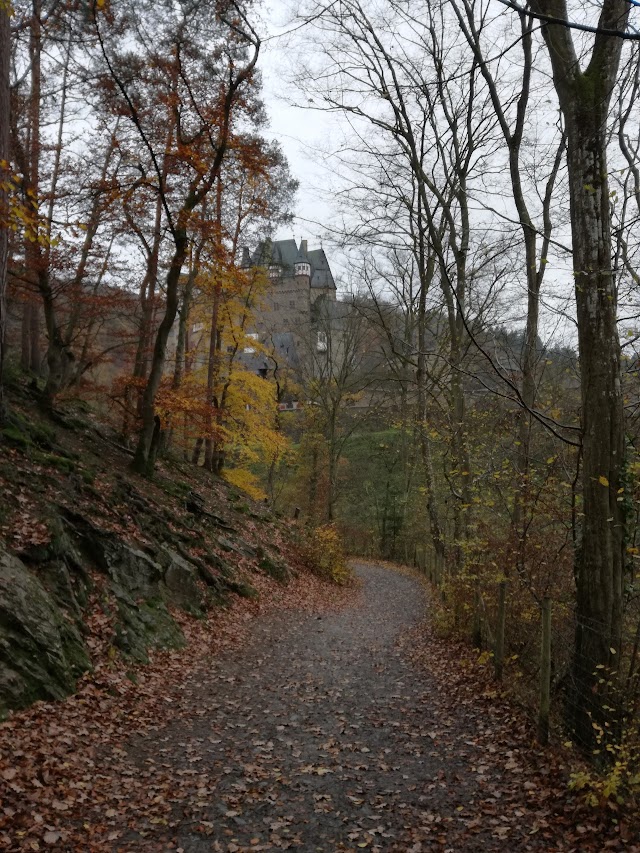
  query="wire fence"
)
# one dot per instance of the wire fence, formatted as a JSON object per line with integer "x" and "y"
{"x": 532, "y": 641}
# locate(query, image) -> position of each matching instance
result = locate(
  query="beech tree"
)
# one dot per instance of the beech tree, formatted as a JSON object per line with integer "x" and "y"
{"x": 512, "y": 107}
{"x": 339, "y": 361}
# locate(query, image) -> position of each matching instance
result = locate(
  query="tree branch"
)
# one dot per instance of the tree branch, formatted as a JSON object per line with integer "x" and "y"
{"x": 573, "y": 25}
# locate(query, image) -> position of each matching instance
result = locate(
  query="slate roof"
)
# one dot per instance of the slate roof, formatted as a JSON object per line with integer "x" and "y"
{"x": 285, "y": 254}
{"x": 320, "y": 271}
{"x": 284, "y": 344}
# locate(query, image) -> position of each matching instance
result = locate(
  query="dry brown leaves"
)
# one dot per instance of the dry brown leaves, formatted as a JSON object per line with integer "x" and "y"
{"x": 57, "y": 792}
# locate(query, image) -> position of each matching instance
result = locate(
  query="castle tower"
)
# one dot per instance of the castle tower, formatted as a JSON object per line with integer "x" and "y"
{"x": 302, "y": 267}
{"x": 300, "y": 284}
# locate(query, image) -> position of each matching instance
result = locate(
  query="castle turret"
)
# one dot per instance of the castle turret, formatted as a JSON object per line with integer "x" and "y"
{"x": 302, "y": 267}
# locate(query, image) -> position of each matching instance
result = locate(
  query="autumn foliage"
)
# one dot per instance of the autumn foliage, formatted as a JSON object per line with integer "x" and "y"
{"x": 324, "y": 553}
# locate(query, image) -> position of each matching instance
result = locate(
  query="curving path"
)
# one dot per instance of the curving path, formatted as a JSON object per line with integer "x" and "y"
{"x": 320, "y": 735}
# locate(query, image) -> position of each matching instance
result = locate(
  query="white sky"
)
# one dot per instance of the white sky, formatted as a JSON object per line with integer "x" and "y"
{"x": 304, "y": 132}
{"x": 299, "y": 130}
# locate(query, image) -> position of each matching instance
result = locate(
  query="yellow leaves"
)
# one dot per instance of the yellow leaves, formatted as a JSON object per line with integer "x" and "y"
{"x": 246, "y": 481}
{"x": 325, "y": 554}
{"x": 603, "y": 480}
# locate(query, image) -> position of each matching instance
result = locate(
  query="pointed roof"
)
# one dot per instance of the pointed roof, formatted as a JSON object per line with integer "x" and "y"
{"x": 286, "y": 253}
{"x": 321, "y": 275}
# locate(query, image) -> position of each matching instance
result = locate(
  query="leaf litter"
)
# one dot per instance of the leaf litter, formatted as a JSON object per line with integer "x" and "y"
{"x": 314, "y": 719}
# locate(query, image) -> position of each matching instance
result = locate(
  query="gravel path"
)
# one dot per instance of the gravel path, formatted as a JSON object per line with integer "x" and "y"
{"x": 320, "y": 736}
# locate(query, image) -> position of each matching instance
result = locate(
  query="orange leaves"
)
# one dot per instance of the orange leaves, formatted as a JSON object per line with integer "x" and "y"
{"x": 24, "y": 528}
{"x": 187, "y": 407}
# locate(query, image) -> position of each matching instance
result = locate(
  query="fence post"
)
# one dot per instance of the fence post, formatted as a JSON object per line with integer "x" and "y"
{"x": 498, "y": 652}
{"x": 545, "y": 673}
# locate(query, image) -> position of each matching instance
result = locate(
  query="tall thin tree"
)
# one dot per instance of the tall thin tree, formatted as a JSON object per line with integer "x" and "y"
{"x": 584, "y": 94}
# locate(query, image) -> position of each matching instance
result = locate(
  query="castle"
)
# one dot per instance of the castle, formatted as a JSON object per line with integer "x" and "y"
{"x": 301, "y": 288}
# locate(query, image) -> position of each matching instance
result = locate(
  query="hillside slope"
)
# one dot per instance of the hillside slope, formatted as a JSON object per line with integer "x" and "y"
{"x": 97, "y": 562}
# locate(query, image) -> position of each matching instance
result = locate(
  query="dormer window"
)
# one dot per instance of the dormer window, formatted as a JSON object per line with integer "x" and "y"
{"x": 302, "y": 268}
{"x": 274, "y": 271}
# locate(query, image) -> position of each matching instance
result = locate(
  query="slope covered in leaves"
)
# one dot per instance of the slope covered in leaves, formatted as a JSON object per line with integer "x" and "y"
{"x": 96, "y": 562}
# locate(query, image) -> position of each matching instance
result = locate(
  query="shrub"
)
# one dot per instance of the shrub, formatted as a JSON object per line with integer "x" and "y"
{"x": 324, "y": 553}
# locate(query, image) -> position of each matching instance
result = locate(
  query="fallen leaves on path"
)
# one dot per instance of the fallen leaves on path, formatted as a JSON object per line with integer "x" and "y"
{"x": 315, "y": 720}
{"x": 66, "y": 782}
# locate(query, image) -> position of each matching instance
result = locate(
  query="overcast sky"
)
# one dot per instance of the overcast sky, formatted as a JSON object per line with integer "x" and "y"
{"x": 299, "y": 130}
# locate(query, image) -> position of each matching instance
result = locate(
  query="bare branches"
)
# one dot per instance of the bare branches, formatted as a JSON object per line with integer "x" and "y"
{"x": 572, "y": 25}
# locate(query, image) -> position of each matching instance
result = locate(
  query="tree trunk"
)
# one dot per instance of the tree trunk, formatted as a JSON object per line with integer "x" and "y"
{"x": 32, "y": 250}
{"x": 332, "y": 463}
{"x": 545, "y": 674}
{"x": 313, "y": 481}
{"x": 143, "y": 461}
{"x": 584, "y": 100}
{"x": 437, "y": 536}
{"x": 212, "y": 374}
{"x": 213, "y": 453}
{"x": 147, "y": 304}
{"x": 4, "y": 200}
{"x": 600, "y": 559}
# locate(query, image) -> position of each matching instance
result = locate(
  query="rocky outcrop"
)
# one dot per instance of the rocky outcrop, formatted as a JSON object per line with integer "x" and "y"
{"x": 44, "y": 595}
{"x": 41, "y": 650}
{"x": 90, "y": 547}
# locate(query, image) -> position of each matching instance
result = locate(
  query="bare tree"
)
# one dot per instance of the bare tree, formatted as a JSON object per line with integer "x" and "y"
{"x": 337, "y": 371}
{"x": 515, "y": 99}
{"x": 414, "y": 82}
{"x": 584, "y": 93}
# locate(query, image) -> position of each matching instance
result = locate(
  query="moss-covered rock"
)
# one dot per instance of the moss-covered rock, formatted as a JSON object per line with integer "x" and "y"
{"x": 180, "y": 581}
{"x": 274, "y": 568}
{"x": 41, "y": 651}
{"x": 144, "y": 625}
{"x": 129, "y": 569}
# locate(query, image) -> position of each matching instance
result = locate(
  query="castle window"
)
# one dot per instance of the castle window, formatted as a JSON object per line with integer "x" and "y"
{"x": 274, "y": 272}
{"x": 292, "y": 303}
{"x": 252, "y": 336}
{"x": 321, "y": 342}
